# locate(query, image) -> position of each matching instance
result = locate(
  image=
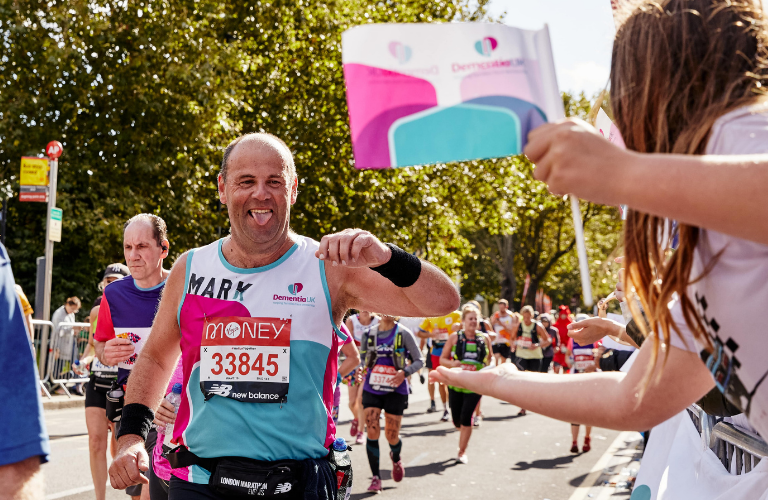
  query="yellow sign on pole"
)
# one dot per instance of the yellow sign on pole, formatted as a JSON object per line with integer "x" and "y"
{"x": 34, "y": 171}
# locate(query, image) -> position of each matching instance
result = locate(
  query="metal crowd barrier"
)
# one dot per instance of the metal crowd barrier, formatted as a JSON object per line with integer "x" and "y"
{"x": 64, "y": 350}
{"x": 40, "y": 336}
{"x": 730, "y": 443}
{"x": 56, "y": 354}
{"x": 738, "y": 451}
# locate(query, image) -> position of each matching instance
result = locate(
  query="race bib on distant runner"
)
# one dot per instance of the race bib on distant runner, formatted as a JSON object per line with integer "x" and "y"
{"x": 246, "y": 359}
{"x": 470, "y": 367}
{"x": 441, "y": 335}
{"x": 582, "y": 362}
{"x": 381, "y": 378}
{"x": 524, "y": 342}
{"x": 102, "y": 370}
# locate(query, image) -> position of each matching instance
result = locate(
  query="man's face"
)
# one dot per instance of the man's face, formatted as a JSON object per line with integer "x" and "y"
{"x": 502, "y": 308}
{"x": 71, "y": 308}
{"x": 143, "y": 255}
{"x": 259, "y": 191}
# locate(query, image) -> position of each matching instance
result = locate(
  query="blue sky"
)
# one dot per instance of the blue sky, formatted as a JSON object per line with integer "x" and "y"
{"x": 582, "y": 36}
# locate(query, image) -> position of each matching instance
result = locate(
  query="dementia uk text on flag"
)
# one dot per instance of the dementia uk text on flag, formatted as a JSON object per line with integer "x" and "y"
{"x": 434, "y": 93}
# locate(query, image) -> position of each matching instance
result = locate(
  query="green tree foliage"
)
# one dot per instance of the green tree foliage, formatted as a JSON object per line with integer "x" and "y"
{"x": 145, "y": 96}
{"x": 528, "y": 232}
{"x": 137, "y": 96}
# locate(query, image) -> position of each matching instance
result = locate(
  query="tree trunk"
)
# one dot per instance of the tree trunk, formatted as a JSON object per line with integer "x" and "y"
{"x": 530, "y": 296}
{"x": 508, "y": 282}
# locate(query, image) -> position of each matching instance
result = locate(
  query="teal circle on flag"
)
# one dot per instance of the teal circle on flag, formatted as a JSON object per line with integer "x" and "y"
{"x": 642, "y": 492}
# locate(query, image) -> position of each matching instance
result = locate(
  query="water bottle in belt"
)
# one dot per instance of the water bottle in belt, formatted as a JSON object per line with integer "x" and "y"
{"x": 341, "y": 463}
{"x": 115, "y": 401}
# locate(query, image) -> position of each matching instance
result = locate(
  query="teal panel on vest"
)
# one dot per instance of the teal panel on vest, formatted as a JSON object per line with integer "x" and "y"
{"x": 223, "y": 427}
{"x": 462, "y": 132}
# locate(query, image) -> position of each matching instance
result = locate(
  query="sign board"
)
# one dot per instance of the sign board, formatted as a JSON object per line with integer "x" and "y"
{"x": 34, "y": 171}
{"x": 54, "y": 149}
{"x": 33, "y": 193}
{"x": 54, "y": 228}
{"x": 434, "y": 93}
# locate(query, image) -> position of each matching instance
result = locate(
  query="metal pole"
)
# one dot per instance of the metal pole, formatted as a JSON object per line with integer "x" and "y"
{"x": 54, "y": 163}
{"x": 4, "y": 217}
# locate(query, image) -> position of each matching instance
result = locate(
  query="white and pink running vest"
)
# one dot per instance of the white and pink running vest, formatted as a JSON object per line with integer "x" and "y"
{"x": 259, "y": 302}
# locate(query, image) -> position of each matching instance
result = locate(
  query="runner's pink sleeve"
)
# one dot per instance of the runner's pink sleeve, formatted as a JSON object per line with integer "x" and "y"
{"x": 105, "y": 330}
{"x": 345, "y": 331}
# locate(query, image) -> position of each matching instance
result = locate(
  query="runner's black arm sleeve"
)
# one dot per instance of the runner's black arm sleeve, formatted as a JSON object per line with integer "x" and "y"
{"x": 409, "y": 339}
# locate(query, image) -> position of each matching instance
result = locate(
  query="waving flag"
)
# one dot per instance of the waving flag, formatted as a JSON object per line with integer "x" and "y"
{"x": 435, "y": 93}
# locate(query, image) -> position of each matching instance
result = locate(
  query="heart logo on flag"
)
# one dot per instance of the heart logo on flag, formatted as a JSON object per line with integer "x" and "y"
{"x": 401, "y": 52}
{"x": 485, "y": 46}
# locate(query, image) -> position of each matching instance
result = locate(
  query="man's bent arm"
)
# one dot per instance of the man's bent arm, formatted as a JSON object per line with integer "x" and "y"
{"x": 433, "y": 294}
{"x": 158, "y": 358}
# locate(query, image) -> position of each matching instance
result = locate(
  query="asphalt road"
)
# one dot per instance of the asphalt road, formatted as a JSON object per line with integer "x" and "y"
{"x": 510, "y": 457}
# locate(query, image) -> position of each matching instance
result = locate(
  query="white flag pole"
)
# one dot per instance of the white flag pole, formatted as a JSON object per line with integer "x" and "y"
{"x": 581, "y": 246}
{"x": 581, "y": 249}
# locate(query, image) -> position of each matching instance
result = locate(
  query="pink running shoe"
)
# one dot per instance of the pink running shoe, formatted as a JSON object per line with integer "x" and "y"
{"x": 353, "y": 430}
{"x": 375, "y": 486}
{"x": 359, "y": 439}
{"x": 398, "y": 471}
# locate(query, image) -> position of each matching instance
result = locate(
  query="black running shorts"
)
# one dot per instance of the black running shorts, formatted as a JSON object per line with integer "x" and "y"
{"x": 392, "y": 403}
{"x": 502, "y": 349}
{"x": 94, "y": 398}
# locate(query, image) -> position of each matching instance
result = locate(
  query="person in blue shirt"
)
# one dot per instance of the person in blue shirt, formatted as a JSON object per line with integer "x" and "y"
{"x": 23, "y": 439}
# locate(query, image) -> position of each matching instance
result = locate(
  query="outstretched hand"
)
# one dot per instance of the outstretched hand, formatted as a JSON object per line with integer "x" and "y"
{"x": 353, "y": 248}
{"x": 589, "y": 331}
{"x": 484, "y": 381}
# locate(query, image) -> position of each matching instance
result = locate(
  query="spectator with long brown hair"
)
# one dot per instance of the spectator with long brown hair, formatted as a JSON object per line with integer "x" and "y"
{"x": 688, "y": 77}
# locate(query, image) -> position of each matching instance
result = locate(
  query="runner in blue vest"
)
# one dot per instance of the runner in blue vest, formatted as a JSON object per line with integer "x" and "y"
{"x": 385, "y": 349}
{"x": 255, "y": 318}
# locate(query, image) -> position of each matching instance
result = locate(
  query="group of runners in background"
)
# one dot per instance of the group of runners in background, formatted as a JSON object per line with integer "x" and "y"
{"x": 392, "y": 353}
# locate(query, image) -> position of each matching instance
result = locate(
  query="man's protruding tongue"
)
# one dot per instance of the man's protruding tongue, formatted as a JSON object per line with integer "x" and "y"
{"x": 262, "y": 217}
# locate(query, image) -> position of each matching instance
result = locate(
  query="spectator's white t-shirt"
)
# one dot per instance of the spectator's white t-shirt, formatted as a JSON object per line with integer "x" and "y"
{"x": 731, "y": 300}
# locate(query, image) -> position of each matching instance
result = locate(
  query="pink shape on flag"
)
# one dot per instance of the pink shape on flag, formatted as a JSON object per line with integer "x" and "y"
{"x": 376, "y": 98}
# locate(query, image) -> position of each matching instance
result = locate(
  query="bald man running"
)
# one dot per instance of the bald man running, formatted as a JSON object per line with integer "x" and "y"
{"x": 255, "y": 318}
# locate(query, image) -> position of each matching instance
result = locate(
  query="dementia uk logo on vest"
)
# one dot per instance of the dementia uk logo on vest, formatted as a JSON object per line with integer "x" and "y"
{"x": 295, "y": 297}
{"x": 246, "y": 359}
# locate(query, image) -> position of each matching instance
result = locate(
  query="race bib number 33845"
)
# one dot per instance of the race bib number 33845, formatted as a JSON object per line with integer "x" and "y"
{"x": 247, "y": 359}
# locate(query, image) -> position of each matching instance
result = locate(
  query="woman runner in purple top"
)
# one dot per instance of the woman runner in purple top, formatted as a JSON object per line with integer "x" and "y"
{"x": 385, "y": 350}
